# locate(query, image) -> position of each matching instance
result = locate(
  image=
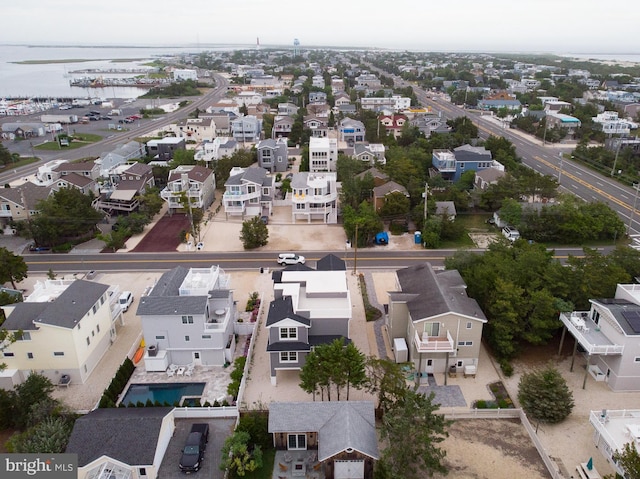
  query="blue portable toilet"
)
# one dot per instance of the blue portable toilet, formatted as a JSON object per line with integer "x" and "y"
{"x": 417, "y": 237}
{"x": 382, "y": 238}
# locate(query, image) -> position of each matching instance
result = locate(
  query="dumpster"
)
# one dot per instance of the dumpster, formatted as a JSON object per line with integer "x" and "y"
{"x": 417, "y": 237}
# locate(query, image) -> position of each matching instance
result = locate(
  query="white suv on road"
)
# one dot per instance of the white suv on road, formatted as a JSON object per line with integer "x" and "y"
{"x": 290, "y": 258}
{"x": 510, "y": 233}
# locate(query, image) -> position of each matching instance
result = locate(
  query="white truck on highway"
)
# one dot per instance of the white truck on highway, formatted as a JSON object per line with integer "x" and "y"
{"x": 62, "y": 119}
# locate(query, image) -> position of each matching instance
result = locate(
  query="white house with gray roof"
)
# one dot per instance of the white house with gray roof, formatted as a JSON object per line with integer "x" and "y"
{"x": 314, "y": 197}
{"x": 248, "y": 192}
{"x": 196, "y": 182}
{"x": 341, "y": 433}
{"x": 121, "y": 443}
{"x": 440, "y": 325}
{"x": 187, "y": 318}
{"x": 311, "y": 307}
{"x": 67, "y": 326}
{"x": 609, "y": 333}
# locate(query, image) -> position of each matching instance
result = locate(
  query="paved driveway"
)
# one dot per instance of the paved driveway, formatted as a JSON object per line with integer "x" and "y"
{"x": 219, "y": 430}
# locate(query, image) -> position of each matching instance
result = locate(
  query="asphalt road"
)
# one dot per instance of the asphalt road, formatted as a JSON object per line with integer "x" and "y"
{"x": 549, "y": 160}
{"x": 113, "y": 138}
{"x": 378, "y": 258}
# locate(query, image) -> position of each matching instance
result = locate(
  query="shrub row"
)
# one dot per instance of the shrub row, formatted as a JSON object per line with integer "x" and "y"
{"x": 119, "y": 381}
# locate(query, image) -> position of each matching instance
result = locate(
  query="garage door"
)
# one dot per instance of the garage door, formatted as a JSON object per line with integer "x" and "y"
{"x": 348, "y": 469}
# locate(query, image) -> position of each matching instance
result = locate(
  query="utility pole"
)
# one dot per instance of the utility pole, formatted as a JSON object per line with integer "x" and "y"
{"x": 560, "y": 172}
{"x": 426, "y": 196}
{"x": 355, "y": 252}
{"x": 636, "y": 186}
{"x": 615, "y": 160}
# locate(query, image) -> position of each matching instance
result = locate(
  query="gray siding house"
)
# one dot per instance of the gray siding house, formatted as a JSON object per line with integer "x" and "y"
{"x": 187, "y": 318}
{"x": 273, "y": 155}
{"x": 311, "y": 307}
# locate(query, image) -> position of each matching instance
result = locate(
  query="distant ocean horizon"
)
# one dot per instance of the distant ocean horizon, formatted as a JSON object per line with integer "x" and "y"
{"x": 51, "y": 80}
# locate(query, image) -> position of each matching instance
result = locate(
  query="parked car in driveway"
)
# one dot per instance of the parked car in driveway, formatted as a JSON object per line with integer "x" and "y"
{"x": 193, "y": 451}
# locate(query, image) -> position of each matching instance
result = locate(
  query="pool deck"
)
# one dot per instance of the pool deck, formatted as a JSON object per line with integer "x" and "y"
{"x": 216, "y": 379}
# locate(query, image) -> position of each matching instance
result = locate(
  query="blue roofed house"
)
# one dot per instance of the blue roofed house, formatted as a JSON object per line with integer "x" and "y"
{"x": 187, "y": 318}
{"x": 560, "y": 120}
{"x": 437, "y": 323}
{"x": 121, "y": 443}
{"x": 311, "y": 307}
{"x": 451, "y": 164}
{"x": 351, "y": 131}
{"x": 336, "y": 438}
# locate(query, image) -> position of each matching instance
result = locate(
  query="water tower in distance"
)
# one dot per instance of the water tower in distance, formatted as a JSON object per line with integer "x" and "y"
{"x": 296, "y": 47}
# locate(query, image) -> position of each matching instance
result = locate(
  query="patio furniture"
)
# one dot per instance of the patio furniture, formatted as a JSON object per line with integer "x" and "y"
{"x": 171, "y": 372}
{"x": 188, "y": 372}
{"x": 287, "y": 457}
{"x": 180, "y": 371}
{"x": 283, "y": 467}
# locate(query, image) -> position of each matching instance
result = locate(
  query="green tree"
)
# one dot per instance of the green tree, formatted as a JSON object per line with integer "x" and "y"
{"x": 415, "y": 417}
{"x": 237, "y": 455}
{"x": 150, "y": 202}
{"x": 395, "y": 204}
{"x": 629, "y": 460}
{"x": 12, "y": 267}
{"x": 66, "y": 215}
{"x": 254, "y": 233}
{"x": 385, "y": 379}
{"x": 49, "y": 436}
{"x": 545, "y": 396}
{"x": 333, "y": 367}
{"x": 511, "y": 211}
{"x": 182, "y": 157}
{"x": 35, "y": 389}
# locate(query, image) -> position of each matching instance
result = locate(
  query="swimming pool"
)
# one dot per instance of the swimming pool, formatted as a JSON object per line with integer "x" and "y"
{"x": 170, "y": 393}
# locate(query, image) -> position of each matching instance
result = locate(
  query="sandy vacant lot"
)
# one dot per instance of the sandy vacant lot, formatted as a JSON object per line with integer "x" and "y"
{"x": 491, "y": 448}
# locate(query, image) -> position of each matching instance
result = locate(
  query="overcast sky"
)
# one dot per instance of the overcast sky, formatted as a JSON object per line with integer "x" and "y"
{"x": 559, "y": 26}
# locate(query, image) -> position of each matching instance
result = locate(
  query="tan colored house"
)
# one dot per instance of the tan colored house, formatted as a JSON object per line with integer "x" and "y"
{"x": 439, "y": 324}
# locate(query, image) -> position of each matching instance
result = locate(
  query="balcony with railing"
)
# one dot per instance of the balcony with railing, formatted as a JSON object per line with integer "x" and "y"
{"x": 434, "y": 344}
{"x": 240, "y": 195}
{"x": 219, "y": 320}
{"x": 588, "y": 334}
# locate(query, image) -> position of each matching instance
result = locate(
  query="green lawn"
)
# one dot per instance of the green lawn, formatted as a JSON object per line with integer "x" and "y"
{"x": 473, "y": 223}
{"x": 27, "y": 160}
{"x": 79, "y": 140}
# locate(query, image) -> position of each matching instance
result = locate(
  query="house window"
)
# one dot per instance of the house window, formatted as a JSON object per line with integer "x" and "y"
{"x": 29, "y": 355}
{"x": 297, "y": 441}
{"x": 288, "y": 357}
{"x": 187, "y": 339}
{"x": 8, "y": 355}
{"x": 465, "y": 343}
{"x": 95, "y": 308}
{"x": 432, "y": 329}
{"x": 187, "y": 320}
{"x": 288, "y": 333}
{"x": 636, "y": 359}
{"x": 88, "y": 341}
{"x": 469, "y": 324}
{"x": 160, "y": 337}
{"x": 58, "y": 353}
{"x": 143, "y": 471}
{"x": 26, "y": 336}
{"x": 206, "y": 336}
{"x": 97, "y": 327}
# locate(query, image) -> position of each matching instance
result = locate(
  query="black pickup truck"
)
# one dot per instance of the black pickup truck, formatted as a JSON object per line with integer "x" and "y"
{"x": 193, "y": 451}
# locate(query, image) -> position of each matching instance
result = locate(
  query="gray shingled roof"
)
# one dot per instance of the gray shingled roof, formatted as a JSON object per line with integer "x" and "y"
{"x": 165, "y": 299}
{"x": 22, "y": 317}
{"x": 436, "y": 293}
{"x": 388, "y": 188}
{"x": 129, "y": 435}
{"x": 282, "y": 308}
{"x": 30, "y": 193}
{"x": 67, "y": 310}
{"x": 331, "y": 262}
{"x": 340, "y": 424}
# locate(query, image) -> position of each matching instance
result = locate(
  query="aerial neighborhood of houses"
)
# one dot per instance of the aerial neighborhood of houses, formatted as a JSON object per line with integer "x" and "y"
{"x": 300, "y": 131}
